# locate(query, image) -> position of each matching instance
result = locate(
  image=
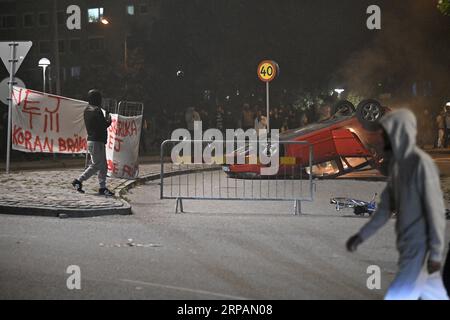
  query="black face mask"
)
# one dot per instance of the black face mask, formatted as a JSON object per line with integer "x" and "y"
{"x": 387, "y": 154}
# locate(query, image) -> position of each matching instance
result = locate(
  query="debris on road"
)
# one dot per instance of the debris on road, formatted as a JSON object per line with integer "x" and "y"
{"x": 130, "y": 243}
{"x": 360, "y": 207}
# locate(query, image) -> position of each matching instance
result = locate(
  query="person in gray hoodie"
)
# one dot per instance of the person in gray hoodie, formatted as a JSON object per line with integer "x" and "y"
{"x": 413, "y": 192}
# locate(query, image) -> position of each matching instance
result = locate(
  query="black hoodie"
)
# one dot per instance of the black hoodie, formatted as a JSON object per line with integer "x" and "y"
{"x": 96, "y": 124}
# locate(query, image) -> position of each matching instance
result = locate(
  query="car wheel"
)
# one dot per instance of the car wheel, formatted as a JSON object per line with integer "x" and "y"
{"x": 369, "y": 113}
{"x": 344, "y": 108}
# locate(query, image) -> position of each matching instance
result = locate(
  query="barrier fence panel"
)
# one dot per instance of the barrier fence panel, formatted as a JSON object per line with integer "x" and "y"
{"x": 184, "y": 179}
{"x": 109, "y": 105}
{"x": 130, "y": 108}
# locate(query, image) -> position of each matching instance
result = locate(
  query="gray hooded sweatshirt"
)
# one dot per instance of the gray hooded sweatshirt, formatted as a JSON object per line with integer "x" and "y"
{"x": 413, "y": 191}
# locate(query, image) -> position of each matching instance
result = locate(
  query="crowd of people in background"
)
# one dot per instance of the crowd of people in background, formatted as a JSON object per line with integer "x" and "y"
{"x": 443, "y": 127}
{"x": 247, "y": 116}
{"x": 282, "y": 117}
{"x": 159, "y": 124}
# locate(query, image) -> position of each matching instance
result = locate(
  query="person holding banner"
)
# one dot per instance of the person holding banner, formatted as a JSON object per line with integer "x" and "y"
{"x": 96, "y": 127}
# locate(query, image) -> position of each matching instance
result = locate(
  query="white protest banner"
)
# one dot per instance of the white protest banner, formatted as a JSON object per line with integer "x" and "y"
{"x": 43, "y": 122}
{"x": 122, "y": 148}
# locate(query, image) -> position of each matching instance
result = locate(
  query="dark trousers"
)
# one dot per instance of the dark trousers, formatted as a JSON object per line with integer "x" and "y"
{"x": 446, "y": 272}
{"x": 446, "y": 138}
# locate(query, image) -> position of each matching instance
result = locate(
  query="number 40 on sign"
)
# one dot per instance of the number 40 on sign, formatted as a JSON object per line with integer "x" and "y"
{"x": 267, "y": 70}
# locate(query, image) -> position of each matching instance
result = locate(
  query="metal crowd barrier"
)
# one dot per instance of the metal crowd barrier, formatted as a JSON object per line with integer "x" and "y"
{"x": 184, "y": 180}
{"x": 130, "y": 108}
{"x": 109, "y": 105}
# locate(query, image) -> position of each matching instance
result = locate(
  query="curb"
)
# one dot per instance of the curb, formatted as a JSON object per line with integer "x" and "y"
{"x": 155, "y": 176}
{"x": 66, "y": 212}
{"x": 126, "y": 209}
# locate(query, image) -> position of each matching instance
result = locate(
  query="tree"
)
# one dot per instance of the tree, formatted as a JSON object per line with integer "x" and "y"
{"x": 444, "y": 7}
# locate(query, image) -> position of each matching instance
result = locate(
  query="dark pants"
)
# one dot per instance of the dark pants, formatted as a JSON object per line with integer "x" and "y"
{"x": 446, "y": 272}
{"x": 446, "y": 138}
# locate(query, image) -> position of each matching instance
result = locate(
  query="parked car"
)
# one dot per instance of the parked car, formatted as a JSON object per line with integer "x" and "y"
{"x": 349, "y": 140}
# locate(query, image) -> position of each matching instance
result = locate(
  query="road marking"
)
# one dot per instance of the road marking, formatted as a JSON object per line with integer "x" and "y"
{"x": 184, "y": 289}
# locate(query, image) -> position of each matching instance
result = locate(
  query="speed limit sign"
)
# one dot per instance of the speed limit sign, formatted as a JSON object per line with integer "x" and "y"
{"x": 267, "y": 70}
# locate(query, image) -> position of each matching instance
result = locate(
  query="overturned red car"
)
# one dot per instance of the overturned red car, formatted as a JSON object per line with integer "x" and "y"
{"x": 349, "y": 140}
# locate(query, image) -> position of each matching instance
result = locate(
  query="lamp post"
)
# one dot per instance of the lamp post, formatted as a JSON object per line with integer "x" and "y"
{"x": 106, "y": 22}
{"x": 339, "y": 91}
{"x": 44, "y": 63}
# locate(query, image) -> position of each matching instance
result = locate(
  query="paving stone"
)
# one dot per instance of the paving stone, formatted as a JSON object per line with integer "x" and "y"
{"x": 49, "y": 192}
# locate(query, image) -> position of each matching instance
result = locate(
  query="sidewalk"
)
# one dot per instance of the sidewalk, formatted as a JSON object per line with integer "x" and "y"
{"x": 59, "y": 162}
{"x": 49, "y": 192}
{"x": 431, "y": 150}
{"x": 44, "y": 188}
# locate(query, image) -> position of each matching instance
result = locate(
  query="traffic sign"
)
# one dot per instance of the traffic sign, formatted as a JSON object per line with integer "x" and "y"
{"x": 22, "y": 48}
{"x": 4, "y": 88}
{"x": 267, "y": 70}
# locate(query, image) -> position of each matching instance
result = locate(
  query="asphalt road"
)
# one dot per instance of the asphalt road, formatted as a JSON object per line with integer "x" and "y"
{"x": 442, "y": 161}
{"x": 215, "y": 250}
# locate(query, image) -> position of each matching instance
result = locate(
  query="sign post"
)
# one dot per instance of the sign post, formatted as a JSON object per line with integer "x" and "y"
{"x": 11, "y": 84}
{"x": 16, "y": 52}
{"x": 267, "y": 71}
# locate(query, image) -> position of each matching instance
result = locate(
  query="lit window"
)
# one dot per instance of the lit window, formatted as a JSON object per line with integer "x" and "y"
{"x": 75, "y": 72}
{"x": 95, "y": 15}
{"x": 130, "y": 10}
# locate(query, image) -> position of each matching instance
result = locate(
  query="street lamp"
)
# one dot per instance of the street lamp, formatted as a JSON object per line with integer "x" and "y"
{"x": 44, "y": 63}
{"x": 106, "y": 22}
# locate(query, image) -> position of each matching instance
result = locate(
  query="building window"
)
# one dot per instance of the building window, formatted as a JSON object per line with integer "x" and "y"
{"x": 7, "y": 22}
{"x": 96, "y": 69}
{"x": 96, "y": 44}
{"x": 130, "y": 10}
{"x": 75, "y": 45}
{"x": 75, "y": 72}
{"x": 61, "y": 46}
{"x": 61, "y": 18}
{"x": 44, "y": 47}
{"x": 143, "y": 8}
{"x": 63, "y": 73}
{"x": 28, "y": 20}
{"x": 95, "y": 15}
{"x": 43, "y": 19}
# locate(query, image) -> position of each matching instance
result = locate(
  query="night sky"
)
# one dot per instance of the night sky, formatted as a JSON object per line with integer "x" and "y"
{"x": 318, "y": 44}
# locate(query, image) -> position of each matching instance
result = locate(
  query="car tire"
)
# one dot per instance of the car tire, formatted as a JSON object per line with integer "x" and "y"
{"x": 346, "y": 106}
{"x": 369, "y": 112}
